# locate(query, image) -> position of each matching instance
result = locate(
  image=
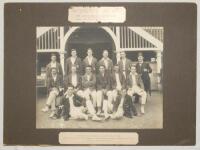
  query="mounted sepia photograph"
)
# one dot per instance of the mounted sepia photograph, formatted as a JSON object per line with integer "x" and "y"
{"x": 99, "y": 77}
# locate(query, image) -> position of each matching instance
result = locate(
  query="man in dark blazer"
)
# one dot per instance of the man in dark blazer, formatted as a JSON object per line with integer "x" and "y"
{"x": 144, "y": 69}
{"x": 90, "y": 60}
{"x": 74, "y": 79}
{"x": 53, "y": 64}
{"x": 107, "y": 62}
{"x": 135, "y": 86}
{"x": 72, "y": 106}
{"x": 123, "y": 106}
{"x": 118, "y": 82}
{"x": 124, "y": 64}
{"x": 103, "y": 88}
{"x": 89, "y": 85}
{"x": 74, "y": 60}
{"x": 54, "y": 87}
{"x": 89, "y": 90}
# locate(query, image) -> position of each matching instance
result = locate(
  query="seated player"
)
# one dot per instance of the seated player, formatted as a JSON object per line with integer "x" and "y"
{"x": 54, "y": 87}
{"x": 103, "y": 87}
{"x": 135, "y": 86}
{"x": 123, "y": 106}
{"x": 89, "y": 90}
{"x": 74, "y": 79}
{"x": 117, "y": 84}
{"x": 89, "y": 85}
{"x": 73, "y": 105}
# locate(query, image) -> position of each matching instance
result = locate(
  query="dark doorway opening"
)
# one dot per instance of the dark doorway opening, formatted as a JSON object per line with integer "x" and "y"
{"x": 90, "y": 37}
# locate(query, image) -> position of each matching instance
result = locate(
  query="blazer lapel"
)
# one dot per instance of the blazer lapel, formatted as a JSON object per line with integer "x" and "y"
{"x": 75, "y": 62}
{"x": 70, "y": 78}
{"x": 92, "y": 61}
{"x": 137, "y": 79}
{"x": 87, "y": 61}
{"x": 130, "y": 78}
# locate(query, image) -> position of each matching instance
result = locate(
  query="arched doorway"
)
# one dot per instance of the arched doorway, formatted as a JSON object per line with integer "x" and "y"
{"x": 97, "y": 38}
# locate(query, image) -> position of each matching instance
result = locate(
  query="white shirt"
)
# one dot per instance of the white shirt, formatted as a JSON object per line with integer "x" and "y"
{"x": 134, "y": 83}
{"x": 71, "y": 102}
{"x": 54, "y": 77}
{"x": 88, "y": 77}
{"x": 124, "y": 64}
{"x": 106, "y": 63}
{"x": 73, "y": 60}
{"x": 74, "y": 80}
{"x": 53, "y": 64}
{"x": 119, "y": 86}
{"x": 121, "y": 102}
{"x": 90, "y": 60}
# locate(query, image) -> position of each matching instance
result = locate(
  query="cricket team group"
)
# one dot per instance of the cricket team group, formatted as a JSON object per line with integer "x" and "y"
{"x": 97, "y": 90}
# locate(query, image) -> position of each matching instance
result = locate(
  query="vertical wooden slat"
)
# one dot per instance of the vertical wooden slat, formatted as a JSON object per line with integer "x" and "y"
{"x": 48, "y": 42}
{"x": 145, "y": 45}
{"x": 39, "y": 43}
{"x": 125, "y": 37}
{"x": 45, "y": 40}
{"x": 36, "y": 43}
{"x": 131, "y": 35}
{"x": 56, "y": 39}
{"x": 147, "y": 42}
{"x": 59, "y": 37}
{"x": 122, "y": 37}
{"x": 140, "y": 39}
{"x": 143, "y": 42}
{"x": 51, "y": 38}
{"x": 156, "y": 36}
{"x": 136, "y": 42}
{"x": 42, "y": 42}
{"x": 128, "y": 36}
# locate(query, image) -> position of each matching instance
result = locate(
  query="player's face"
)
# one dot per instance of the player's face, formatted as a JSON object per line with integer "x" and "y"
{"x": 70, "y": 90}
{"x": 102, "y": 69}
{"x": 89, "y": 52}
{"x": 53, "y": 58}
{"x": 123, "y": 55}
{"x": 140, "y": 58}
{"x": 88, "y": 70}
{"x": 105, "y": 54}
{"x": 54, "y": 71}
{"x": 73, "y": 53}
{"x": 123, "y": 92}
{"x": 133, "y": 69}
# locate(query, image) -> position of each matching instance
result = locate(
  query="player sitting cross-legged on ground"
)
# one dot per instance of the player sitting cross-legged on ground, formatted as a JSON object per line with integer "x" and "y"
{"x": 74, "y": 106}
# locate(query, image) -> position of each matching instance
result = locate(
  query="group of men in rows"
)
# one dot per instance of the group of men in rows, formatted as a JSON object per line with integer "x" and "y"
{"x": 92, "y": 88}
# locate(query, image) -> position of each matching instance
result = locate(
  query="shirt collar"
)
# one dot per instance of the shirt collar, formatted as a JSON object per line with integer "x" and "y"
{"x": 67, "y": 96}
